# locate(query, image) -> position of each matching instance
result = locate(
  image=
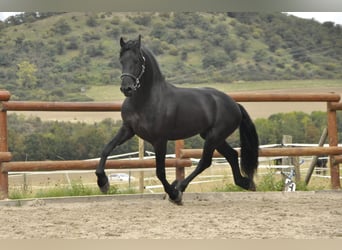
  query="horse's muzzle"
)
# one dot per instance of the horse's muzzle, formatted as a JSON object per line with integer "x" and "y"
{"x": 127, "y": 91}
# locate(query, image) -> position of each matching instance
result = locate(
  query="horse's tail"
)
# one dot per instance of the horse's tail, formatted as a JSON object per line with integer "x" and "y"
{"x": 249, "y": 145}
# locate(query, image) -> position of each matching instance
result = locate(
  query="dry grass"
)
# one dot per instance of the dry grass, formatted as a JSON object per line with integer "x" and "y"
{"x": 217, "y": 178}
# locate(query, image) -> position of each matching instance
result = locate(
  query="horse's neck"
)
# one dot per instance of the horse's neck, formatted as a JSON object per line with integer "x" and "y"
{"x": 153, "y": 78}
{"x": 151, "y": 93}
{"x": 152, "y": 67}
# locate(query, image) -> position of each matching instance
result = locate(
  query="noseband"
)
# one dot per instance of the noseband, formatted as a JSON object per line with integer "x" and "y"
{"x": 136, "y": 78}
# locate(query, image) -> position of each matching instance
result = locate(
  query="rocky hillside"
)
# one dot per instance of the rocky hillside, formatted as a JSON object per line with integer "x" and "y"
{"x": 57, "y": 56}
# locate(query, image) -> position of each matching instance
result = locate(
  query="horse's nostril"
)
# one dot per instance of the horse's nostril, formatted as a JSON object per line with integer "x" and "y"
{"x": 125, "y": 88}
{"x": 127, "y": 91}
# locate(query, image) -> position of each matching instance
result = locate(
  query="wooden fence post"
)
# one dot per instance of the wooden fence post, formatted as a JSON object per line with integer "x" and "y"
{"x": 333, "y": 141}
{"x": 315, "y": 158}
{"x": 180, "y": 172}
{"x": 141, "y": 173}
{"x": 4, "y": 96}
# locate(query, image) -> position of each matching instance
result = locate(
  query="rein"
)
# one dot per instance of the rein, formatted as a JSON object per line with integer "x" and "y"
{"x": 136, "y": 79}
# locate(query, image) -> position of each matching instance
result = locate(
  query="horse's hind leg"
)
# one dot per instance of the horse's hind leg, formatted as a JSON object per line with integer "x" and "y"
{"x": 232, "y": 157}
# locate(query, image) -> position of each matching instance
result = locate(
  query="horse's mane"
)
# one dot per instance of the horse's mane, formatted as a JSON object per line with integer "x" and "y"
{"x": 156, "y": 70}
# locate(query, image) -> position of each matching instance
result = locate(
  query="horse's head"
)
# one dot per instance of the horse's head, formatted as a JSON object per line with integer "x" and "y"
{"x": 133, "y": 65}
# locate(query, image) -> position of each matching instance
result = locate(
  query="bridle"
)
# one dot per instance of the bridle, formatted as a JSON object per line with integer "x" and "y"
{"x": 136, "y": 78}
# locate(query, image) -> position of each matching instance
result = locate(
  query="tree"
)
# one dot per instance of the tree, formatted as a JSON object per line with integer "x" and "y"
{"x": 61, "y": 27}
{"x": 60, "y": 47}
{"x": 267, "y": 131}
{"x": 35, "y": 147}
{"x": 158, "y": 30}
{"x": 221, "y": 29}
{"x": 259, "y": 55}
{"x": 5, "y": 59}
{"x": 72, "y": 43}
{"x": 230, "y": 45}
{"x": 26, "y": 75}
{"x": 216, "y": 59}
{"x": 180, "y": 20}
{"x": 92, "y": 22}
{"x": 94, "y": 51}
{"x": 144, "y": 19}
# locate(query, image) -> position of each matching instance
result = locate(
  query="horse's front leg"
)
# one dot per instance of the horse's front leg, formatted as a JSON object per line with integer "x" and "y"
{"x": 175, "y": 196}
{"x": 123, "y": 135}
{"x": 204, "y": 163}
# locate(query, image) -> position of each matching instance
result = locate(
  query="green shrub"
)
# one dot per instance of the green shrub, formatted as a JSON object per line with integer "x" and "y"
{"x": 269, "y": 183}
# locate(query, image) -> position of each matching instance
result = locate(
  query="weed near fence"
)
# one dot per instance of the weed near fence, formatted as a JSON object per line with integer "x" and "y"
{"x": 268, "y": 181}
{"x": 76, "y": 188}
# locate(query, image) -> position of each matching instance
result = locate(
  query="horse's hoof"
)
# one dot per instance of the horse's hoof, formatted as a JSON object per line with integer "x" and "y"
{"x": 252, "y": 186}
{"x": 104, "y": 189}
{"x": 103, "y": 183}
{"x": 178, "y": 201}
{"x": 246, "y": 184}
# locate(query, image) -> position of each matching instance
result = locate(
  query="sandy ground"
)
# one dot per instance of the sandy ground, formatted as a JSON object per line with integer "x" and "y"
{"x": 271, "y": 215}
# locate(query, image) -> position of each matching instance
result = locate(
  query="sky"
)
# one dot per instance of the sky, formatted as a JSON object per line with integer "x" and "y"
{"x": 335, "y": 17}
{"x": 321, "y": 17}
{"x": 4, "y": 15}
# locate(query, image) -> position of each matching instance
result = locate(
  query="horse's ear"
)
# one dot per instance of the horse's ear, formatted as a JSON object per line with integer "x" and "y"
{"x": 139, "y": 40}
{"x": 122, "y": 42}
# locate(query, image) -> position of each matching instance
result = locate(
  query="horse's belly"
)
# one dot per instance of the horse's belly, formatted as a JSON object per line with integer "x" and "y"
{"x": 186, "y": 128}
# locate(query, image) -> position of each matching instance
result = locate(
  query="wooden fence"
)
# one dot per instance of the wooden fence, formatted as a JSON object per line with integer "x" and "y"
{"x": 182, "y": 155}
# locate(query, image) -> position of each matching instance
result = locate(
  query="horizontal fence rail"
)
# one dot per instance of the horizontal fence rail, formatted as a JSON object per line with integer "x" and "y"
{"x": 88, "y": 165}
{"x": 182, "y": 155}
{"x": 62, "y": 106}
{"x": 270, "y": 152}
{"x": 283, "y": 97}
{"x": 116, "y": 106}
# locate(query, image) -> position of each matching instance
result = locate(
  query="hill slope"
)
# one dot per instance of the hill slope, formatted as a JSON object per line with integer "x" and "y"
{"x": 57, "y": 56}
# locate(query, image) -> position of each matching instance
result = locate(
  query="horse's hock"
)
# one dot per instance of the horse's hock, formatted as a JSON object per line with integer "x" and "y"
{"x": 183, "y": 155}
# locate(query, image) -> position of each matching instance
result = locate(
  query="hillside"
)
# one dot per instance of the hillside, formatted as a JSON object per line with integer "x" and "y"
{"x": 59, "y": 56}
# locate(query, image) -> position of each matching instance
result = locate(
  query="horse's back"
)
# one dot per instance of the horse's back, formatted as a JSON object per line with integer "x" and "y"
{"x": 202, "y": 109}
{"x": 227, "y": 110}
{"x": 215, "y": 100}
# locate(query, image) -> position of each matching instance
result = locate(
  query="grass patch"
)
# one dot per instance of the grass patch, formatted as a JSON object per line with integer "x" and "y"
{"x": 270, "y": 182}
{"x": 77, "y": 188}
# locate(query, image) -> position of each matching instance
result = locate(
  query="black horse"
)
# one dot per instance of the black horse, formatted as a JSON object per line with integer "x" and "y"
{"x": 157, "y": 112}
